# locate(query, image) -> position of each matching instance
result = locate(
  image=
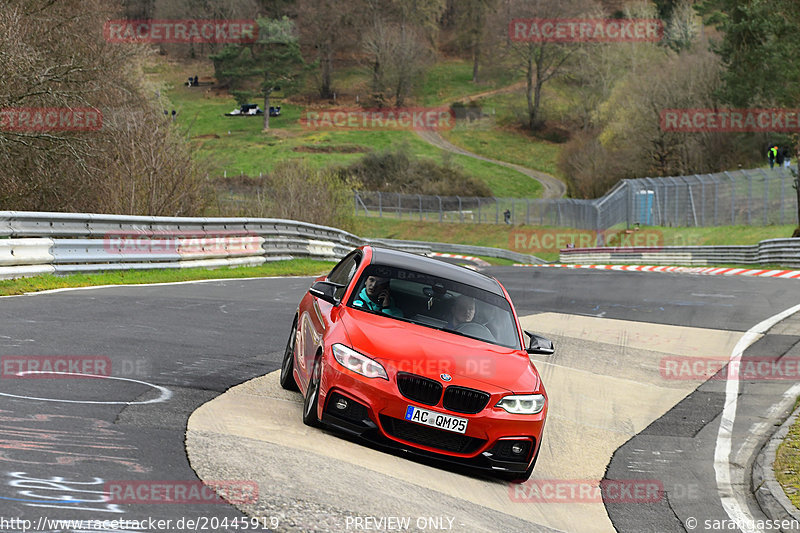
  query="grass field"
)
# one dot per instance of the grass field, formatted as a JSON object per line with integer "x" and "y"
{"x": 295, "y": 267}
{"x": 787, "y": 462}
{"x": 237, "y": 145}
{"x": 504, "y": 236}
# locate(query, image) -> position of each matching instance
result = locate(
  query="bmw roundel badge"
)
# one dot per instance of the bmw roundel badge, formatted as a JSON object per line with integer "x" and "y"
{"x": 446, "y": 377}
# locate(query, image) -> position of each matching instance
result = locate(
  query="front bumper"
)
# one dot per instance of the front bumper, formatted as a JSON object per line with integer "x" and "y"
{"x": 373, "y": 410}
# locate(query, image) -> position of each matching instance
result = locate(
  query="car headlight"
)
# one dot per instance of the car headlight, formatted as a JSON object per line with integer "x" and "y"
{"x": 358, "y": 363}
{"x": 523, "y": 404}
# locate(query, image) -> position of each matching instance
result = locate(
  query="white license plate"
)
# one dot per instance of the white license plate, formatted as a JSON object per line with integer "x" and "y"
{"x": 436, "y": 420}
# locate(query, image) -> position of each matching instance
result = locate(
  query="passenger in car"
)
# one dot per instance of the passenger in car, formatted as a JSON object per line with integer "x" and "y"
{"x": 376, "y": 296}
{"x": 463, "y": 311}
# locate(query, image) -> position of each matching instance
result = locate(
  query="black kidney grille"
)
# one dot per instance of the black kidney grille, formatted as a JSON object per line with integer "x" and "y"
{"x": 464, "y": 400}
{"x": 432, "y": 437}
{"x": 419, "y": 389}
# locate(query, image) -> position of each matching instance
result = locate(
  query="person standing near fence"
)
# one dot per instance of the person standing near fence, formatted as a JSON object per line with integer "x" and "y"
{"x": 779, "y": 155}
{"x": 772, "y": 153}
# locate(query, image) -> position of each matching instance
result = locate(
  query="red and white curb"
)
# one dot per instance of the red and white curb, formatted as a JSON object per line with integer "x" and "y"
{"x": 477, "y": 260}
{"x": 707, "y": 271}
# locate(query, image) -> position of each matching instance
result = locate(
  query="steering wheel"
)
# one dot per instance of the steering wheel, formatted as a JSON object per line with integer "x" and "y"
{"x": 475, "y": 329}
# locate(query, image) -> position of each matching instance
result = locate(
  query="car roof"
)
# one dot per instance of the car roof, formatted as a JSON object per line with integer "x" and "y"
{"x": 435, "y": 267}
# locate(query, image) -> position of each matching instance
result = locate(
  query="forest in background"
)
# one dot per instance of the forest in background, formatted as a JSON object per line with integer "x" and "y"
{"x": 715, "y": 54}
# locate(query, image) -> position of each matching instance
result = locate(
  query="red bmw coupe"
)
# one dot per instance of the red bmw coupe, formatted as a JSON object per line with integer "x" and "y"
{"x": 420, "y": 355}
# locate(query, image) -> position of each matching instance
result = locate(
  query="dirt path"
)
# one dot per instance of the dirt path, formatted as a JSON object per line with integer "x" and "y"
{"x": 552, "y": 187}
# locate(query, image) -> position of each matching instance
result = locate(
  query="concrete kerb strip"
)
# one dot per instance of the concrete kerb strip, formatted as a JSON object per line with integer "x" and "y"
{"x": 768, "y": 492}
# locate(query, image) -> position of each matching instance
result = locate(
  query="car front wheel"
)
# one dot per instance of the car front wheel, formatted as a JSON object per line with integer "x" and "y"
{"x": 312, "y": 396}
{"x": 287, "y": 366}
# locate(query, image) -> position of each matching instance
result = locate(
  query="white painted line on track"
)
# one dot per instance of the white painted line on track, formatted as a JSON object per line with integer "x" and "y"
{"x": 731, "y": 501}
{"x": 165, "y": 393}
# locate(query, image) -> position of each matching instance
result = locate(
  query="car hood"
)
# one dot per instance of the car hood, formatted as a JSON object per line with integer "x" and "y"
{"x": 428, "y": 352}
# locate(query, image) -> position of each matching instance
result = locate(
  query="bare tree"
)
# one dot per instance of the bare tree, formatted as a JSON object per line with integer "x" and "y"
{"x": 631, "y": 118}
{"x": 53, "y": 55}
{"x": 471, "y": 25}
{"x": 329, "y": 28}
{"x": 398, "y": 57}
{"x": 539, "y": 61}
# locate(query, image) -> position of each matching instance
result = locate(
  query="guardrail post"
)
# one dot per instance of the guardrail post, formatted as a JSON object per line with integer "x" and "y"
{"x": 528, "y": 211}
{"x": 628, "y": 202}
{"x": 702, "y": 200}
{"x": 733, "y": 197}
{"x": 716, "y": 197}
{"x": 441, "y": 214}
{"x": 420, "y": 206}
{"x": 496, "y": 210}
{"x": 460, "y": 211}
{"x": 380, "y": 205}
{"x": 766, "y": 196}
{"x": 783, "y": 193}
{"x": 399, "y": 212}
{"x": 479, "y": 208}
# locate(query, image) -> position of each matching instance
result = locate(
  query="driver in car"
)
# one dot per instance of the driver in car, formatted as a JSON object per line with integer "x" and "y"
{"x": 376, "y": 296}
{"x": 463, "y": 311}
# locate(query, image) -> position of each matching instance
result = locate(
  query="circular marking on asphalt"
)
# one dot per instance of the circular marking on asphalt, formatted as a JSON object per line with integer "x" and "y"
{"x": 165, "y": 395}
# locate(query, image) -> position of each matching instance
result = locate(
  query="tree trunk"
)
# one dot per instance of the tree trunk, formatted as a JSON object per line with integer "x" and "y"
{"x": 326, "y": 86}
{"x": 266, "y": 112}
{"x": 476, "y": 57}
{"x": 529, "y": 92}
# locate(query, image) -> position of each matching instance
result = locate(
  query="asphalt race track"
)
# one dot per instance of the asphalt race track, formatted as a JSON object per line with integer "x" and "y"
{"x": 106, "y": 449}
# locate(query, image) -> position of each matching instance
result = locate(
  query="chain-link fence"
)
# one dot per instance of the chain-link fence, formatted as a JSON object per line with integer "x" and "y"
{"x": 745, "y": 197}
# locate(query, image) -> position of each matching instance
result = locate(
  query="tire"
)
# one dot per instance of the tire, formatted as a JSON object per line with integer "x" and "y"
{"x": 311, "y": 400}
{"x": 287, "y": 365}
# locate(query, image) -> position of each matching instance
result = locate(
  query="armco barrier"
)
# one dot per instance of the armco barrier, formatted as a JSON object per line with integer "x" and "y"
{"x": 784, "y": 252}
{"x": 33, "y": 243}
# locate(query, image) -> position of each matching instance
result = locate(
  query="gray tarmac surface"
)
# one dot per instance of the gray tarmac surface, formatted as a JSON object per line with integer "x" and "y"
{"x": 197, "y": 340}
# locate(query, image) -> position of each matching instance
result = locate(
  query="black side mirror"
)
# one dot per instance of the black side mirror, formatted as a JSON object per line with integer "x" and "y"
{"x": 326, "y": 291}
{"x": 539, "y": 345}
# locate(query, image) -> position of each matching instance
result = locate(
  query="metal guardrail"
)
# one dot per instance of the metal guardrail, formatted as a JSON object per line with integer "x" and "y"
{"x": 785, "y": 252}
{"x": 33, "y": 243}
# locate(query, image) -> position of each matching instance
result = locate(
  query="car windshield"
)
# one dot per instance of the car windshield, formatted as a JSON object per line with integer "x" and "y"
{"x": 437, "y": 303}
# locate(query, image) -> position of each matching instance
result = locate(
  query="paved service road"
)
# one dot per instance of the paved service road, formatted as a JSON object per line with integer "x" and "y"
{"x": 179, "y": 346}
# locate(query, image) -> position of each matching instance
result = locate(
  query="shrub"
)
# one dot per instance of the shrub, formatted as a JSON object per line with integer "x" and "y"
{"x": 397, "y": 171}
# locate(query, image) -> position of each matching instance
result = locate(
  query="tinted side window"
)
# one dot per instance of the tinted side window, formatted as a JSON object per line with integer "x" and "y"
{"x": 344, "y": 271}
